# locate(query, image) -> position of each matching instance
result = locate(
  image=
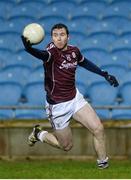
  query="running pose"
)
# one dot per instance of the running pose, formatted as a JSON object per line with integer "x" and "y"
{"x": 63, "y": 99}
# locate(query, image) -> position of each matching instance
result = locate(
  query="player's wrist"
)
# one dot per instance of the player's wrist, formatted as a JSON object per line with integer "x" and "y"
{"x": 105, "y": 74}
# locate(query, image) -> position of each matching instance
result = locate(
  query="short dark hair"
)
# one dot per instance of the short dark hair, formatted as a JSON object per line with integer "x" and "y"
{"x": 59, "y": 26}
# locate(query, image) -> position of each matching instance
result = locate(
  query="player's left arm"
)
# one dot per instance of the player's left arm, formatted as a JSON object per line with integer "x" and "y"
{"x": 95, "y": 69}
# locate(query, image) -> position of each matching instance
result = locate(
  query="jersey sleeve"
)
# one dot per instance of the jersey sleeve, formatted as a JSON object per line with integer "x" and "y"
{"x": 40, "y": 54}
{"x": 80, "y": 56}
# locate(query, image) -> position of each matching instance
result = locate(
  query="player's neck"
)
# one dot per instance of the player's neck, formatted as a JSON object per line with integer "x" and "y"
{"x": 64, "y": 48}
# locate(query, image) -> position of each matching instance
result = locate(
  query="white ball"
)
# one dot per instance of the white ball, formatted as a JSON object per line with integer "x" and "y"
{"x": 34, "y": 32}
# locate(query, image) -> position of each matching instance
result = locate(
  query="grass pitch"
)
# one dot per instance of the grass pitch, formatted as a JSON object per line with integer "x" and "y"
{"x": 63, "y": 169}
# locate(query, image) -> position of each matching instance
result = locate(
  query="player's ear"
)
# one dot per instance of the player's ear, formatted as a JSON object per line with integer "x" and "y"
{"x": 68, "y": 38}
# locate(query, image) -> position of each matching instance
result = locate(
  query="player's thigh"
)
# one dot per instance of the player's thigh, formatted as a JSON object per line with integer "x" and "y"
{"x": 64, "y": 136}
{"x": 88, "y": 117}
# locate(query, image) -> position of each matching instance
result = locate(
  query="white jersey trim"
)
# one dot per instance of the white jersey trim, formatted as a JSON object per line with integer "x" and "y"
{"x": 53, "y": 78}
{"x": 82, "y": 59}
{"x": 49, "y": 56}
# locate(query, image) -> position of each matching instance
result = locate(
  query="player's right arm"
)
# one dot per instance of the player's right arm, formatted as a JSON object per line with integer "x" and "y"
{"x": 40, "y": 54}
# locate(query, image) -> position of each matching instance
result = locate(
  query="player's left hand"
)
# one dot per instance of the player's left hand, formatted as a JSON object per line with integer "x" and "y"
{"x": 26, "y": 42}
{"x": 111, "y": 79}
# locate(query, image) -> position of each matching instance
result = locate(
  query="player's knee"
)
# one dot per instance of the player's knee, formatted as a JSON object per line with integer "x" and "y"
{"x": 67, "y": 146}
{"x": 99, "y": 130}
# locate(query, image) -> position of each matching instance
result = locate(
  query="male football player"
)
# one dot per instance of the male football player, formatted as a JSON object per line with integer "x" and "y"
{"x": 63, "y": 100}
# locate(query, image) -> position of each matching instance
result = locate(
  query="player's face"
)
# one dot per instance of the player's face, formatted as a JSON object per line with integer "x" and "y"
{"x": 60, "y": 38}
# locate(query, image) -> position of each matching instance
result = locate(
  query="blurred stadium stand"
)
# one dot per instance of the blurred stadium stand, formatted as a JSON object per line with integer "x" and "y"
{"x": 30, "y": 113}
{"x": 124, "y": 113}
{"x": 10, "y": 93}
{"x": 34, "y": 93}
{"x": 100, "y": 28}
{"x": 15, "y": 73}
{"x": 101, "y": 94}
{"x": 118, "y": 8}
{"x": 97, "y": 40}
{"x": 89, "y": 8}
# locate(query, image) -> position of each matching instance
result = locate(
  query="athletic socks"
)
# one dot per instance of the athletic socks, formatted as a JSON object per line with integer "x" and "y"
{"x": 41, "y": 135}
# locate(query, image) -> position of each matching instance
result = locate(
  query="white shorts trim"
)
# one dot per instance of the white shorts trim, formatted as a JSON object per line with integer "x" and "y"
{"x": 59, "y": 114}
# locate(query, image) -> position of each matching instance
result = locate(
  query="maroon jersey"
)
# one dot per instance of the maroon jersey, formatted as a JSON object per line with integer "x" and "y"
{"x": 60, "y": 73}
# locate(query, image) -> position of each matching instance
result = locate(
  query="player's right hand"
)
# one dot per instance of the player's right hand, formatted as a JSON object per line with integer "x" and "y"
{"x": 26, "y": 42}
{"x": 111, "y": 79}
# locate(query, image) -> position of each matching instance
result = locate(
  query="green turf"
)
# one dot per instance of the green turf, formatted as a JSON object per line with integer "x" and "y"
{"x": 63, "y": 169}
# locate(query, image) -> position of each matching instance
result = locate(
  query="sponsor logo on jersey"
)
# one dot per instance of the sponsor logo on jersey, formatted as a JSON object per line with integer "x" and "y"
{"x": 67, "y": 65}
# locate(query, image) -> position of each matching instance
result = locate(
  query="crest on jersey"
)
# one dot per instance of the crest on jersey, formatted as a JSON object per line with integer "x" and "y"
{"x": 68, "y": 57}
{"x": 73, "y": 54}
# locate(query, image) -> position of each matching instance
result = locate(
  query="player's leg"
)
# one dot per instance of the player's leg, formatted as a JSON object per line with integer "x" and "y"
{"x": 87, "y": 116}
{"x": 59, "y": 115}
{"x": 64, "y": 137}
{"x": 61, "y": 138}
